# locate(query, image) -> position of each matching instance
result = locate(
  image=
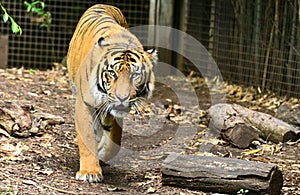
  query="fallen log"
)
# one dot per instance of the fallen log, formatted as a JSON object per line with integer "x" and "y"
{"x": 19, "y": 120}
{"x": 289, "y": 113}
{"x": 221, "y": 175}
{"x": 241, "y": 125}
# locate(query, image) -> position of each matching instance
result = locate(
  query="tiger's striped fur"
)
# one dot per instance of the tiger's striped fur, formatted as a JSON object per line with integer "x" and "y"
{"x": 111, "y": 74}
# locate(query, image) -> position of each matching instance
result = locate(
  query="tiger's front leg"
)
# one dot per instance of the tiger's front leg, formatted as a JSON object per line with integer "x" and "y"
{"x": 110, "y": 141}
{"x": 90, "y": 169}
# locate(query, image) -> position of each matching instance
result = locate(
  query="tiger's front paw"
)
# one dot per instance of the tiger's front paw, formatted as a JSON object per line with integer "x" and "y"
{"x": 89, "y": 176}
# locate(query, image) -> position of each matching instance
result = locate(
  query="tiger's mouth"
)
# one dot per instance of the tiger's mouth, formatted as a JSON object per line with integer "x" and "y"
{"x": 121, "y": 107}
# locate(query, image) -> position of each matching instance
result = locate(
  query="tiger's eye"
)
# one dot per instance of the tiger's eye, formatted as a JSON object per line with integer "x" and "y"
{"x": 134, "y": 76}
{"x": 112, "y": 74}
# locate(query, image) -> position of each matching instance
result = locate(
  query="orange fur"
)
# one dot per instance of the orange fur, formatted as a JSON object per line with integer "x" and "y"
{"x": 87, "y": 30}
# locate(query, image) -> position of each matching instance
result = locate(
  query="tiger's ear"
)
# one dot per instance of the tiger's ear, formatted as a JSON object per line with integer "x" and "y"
{"x": 152, "y": 55}
{"x": 101, "y": 42}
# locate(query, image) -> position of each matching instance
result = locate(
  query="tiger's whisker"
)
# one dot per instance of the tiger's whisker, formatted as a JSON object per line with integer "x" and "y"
{"x": 96, "y": 114}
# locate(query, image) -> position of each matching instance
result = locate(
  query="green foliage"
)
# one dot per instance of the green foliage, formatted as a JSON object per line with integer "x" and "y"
{"x": 38, "y": 8}
{"x": 14, "y": 26}
{"x": 35, "y": 8}
{"x": 32, "y": 71}
{"x": 7, "y": 191}
{"x": 242, "y": 191}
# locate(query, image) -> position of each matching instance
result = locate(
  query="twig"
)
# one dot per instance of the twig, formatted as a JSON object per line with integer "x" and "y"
{"x": 267, "y": 59}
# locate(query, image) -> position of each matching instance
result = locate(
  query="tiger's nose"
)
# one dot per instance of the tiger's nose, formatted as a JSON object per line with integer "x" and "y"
{"x": 123, "y": 97}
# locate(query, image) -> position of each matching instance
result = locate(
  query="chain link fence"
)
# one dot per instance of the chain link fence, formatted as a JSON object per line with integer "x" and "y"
{"x": 38, "y": 47}
{"x": 253, "y": 42}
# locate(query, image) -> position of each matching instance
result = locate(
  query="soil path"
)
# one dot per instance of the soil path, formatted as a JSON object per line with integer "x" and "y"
{"x": 46, "y": 164}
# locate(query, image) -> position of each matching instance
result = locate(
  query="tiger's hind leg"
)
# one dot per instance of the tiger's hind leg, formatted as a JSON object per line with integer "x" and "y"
{"x": 110, "y": 142}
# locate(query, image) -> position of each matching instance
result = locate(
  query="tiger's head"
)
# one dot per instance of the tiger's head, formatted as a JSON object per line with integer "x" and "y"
{"x": 124, "y": 77}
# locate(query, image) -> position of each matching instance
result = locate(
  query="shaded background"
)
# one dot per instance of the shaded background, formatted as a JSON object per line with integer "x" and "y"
{"x": 256, "y": 43}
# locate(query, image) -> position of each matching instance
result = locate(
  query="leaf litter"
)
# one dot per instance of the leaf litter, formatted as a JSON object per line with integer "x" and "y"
{"x": 47, "y": 163}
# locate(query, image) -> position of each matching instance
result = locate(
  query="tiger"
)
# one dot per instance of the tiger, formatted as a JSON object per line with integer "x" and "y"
{"x": 110, "y": 73}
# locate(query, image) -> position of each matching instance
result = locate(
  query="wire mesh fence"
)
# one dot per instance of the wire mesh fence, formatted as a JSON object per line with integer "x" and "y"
{"x": 253, "y": 42}
{"x": 39, "y": 47}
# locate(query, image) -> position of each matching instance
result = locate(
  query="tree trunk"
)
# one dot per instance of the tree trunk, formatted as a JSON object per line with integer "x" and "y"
{"x": 221, "y": 175}
{"x": 292, "y": 45}
{"x": 3, "y": 51}
{"x": 239, "y": 8}
{"x": 266, "y": 64}
{"x": 283, "y": 59}
{"x": 211, "y": 28}
{"x": 298, "y": 48}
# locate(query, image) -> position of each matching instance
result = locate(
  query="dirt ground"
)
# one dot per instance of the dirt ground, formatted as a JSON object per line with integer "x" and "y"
{"x": 47, "y": 163}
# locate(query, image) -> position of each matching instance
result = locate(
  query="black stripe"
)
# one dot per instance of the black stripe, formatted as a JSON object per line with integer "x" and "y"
{"x": 87, "y": 18}
{"x": 131, "y": 52}
{"x": 105, "y": 62}
{"x": 127, "y": 36}
{"x": 99, "y": 30}
{"x": 97, "y": 80}
{"x": 99, "y": 88}
{"x": 117, "y": 58}
{"x": 103, "y": 72}
{"x": 99, "y": 20}
{"x": 98, "y": 11}
{"x": 107, "y": 127}
{"x": 87, "y": 73}
{"x": 115, "y": 52}
{"x": 86, "y": 21}
{"x": 97, "y": 72}
{"x": 144, "y": 91}
{"x": 91, "y": 68}
{"x": 102, "y": 80}
{"x": 105, "y": 18}
{"x": 82, "y": 98}
{"x": 133, "y": 60}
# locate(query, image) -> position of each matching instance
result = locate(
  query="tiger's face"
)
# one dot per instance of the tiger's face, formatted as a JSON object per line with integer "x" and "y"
{"x": 124, "y": 81}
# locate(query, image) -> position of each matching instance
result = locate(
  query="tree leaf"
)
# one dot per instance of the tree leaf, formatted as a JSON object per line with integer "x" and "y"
{"x": 14, "y": 27}
{"x": 5, "y": 17}
{"x": 28, "y": 6}
{"x": 42, "y": 5}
